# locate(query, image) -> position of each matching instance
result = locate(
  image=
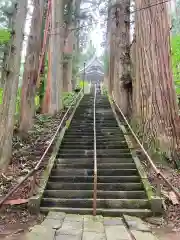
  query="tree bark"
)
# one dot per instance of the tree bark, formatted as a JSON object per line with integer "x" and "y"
{"x": 31, "y": 68}
{"x": 46, "y": 45}
{"x": 155, "y": 105}
{"x": 56, "y": 52}
{"x": 8, "y": 108}
{"x": 120, "y": 78}
{"x": 70, "y": 41}
{"x": 111, "y": 44}
{"x": 46, "y": 100}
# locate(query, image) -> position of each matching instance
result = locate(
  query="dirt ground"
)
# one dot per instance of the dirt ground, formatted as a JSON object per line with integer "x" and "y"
{"x": 16, "y": 221}
{"x": 27, "y": 150}
{"x": 165, "y": 233}
{"x": 171, "y": 214}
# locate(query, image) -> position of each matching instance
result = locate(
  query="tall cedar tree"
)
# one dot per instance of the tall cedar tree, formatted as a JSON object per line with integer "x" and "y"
{"x": 155, "y": 107}
{"x": 8, "y": 108}
{"x": 31, "y": 67}
{"x": 119, "y": 64}
{"x": 55, "y": 80}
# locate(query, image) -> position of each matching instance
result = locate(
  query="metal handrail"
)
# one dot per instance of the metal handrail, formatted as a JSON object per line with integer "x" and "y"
{"x": 33, "y": 171}
{"x": 159, "y": 174}
{"x": 95, "y": 158}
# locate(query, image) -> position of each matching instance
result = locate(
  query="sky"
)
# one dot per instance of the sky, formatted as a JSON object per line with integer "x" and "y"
{"x": 96, "y": 35}
{"x": 97, "y": 38}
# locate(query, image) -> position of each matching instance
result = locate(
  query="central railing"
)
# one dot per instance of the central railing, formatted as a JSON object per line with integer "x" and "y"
{"x": 95, "y": 157}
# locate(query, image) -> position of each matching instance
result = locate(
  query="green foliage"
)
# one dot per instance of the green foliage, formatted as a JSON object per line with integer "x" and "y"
{"x": 18, "y": 100}
{"x": 43, "y": 118}
{"x": 1, "y": 95}
{"x": 175, "y": 45}
{"x": 104, "y": 90}
{"x": 5, "y": 36}
{"x": 68, "y": 98}
{"x": 67, "y": 123}
{"x": 81, "y": 83}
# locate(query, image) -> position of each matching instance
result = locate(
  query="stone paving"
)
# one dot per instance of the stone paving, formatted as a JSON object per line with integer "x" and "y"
{"x": 61, "y": 226}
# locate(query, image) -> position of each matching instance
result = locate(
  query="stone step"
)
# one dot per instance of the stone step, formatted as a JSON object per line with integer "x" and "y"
{"x": 119, "y": 186}
{"x": 91, "y": 133}
{"x": 84, "y": 131}
{"x": 91, "y": 160}
{"x": 91, "y": 138}
{"x": 91, "y": 155}
{"x": 90, "y": 146}
{"x": 102, "y": 129}
{"x": 100, "y": 211}
{"x": 73, "y": 194}
{"x": 98, "y": 141}
{"x": 80, "y": 165}
{"x": 98, "y": 151}
{"x": 91, "y": 119}
{"x": 100, "y": 179}
{"x": 89, "y": 125}
{"x": 101, "y": 203}
{"x": 90, "y": 172}
{"x": 100, "y": 186}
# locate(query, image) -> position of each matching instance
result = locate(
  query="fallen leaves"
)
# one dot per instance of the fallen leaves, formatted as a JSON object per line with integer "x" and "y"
{"x": 170, "y": 202}
{"x": 26, "y": 154}
{"x": 171, "y": 196}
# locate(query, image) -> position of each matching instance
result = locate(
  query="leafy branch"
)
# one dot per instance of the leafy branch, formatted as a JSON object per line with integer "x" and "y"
{"x": 5, "y": 36}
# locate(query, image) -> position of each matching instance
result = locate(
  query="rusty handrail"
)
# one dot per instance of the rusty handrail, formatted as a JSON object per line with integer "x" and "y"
{"x": 33, "y": 171}
{"x": 159, "y": 174}
{"x": 95, "y": 158}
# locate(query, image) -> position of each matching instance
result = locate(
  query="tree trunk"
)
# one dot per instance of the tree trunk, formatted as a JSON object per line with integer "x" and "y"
{"x": 76, "y": 44}
{"x": 155, "y": 105}
{"x": 46, "y": 100}
{"x": 46, "y": 46}
{"x": 122, "y": 57}
{"x": 120, "y": 60}
{"x": 70, "y": 41}
{"x": 8, "y": 108}
{"x": 65, "y": 72}
{"x": 6, "y": 49}
{"x": 111, "y": 44}
{"x": 56, "y": 51}
{"x": 31, "y": 68}
{"x": 67, "y": 76}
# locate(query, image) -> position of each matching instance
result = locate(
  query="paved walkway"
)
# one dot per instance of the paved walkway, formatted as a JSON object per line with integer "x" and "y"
{"x": 61, "y": 226}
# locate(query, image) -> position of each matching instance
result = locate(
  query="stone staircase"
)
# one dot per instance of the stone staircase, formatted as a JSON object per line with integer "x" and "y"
{"x": 70, "y": 185}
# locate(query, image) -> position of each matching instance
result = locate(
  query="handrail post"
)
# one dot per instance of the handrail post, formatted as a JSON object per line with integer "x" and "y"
{"x": 95, "y": 158}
